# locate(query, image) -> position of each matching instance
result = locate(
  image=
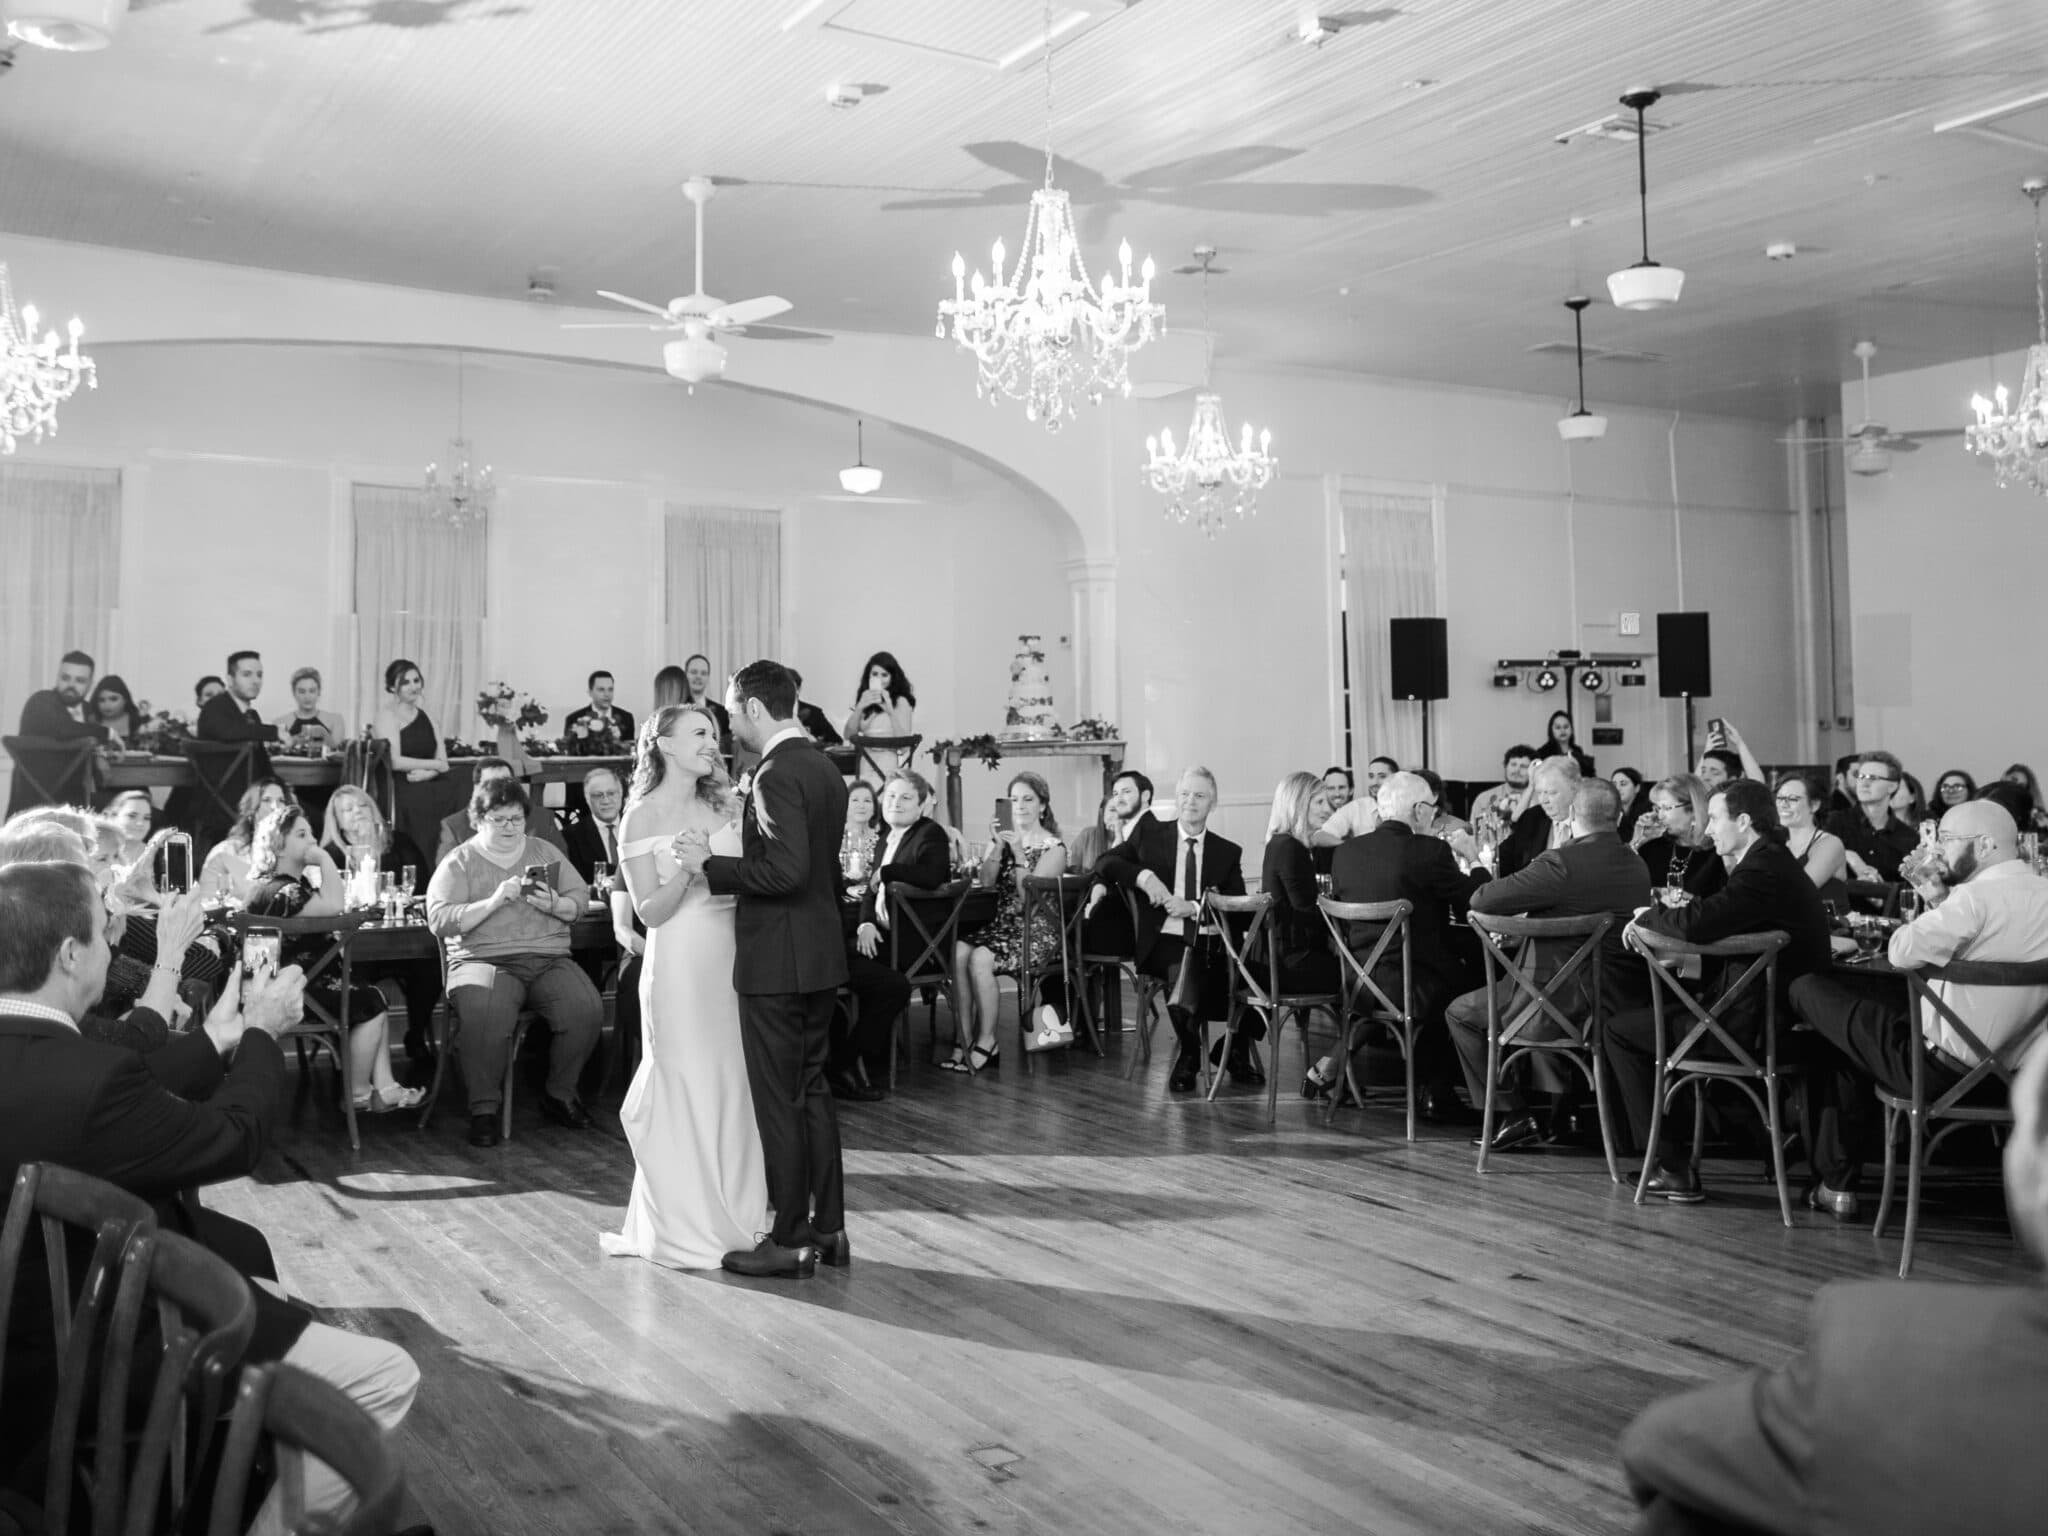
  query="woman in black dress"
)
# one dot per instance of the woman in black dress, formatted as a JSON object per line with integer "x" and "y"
{"x": 419, "y": 761}
{"x": 1672, "y": 841}
{"x": 1560, "y": 741}
{"x": 354, "y": 823}
{"x": 280, "y": 857}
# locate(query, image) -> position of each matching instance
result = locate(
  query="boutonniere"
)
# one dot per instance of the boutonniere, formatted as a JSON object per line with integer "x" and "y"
{"x": 746, "y": 784}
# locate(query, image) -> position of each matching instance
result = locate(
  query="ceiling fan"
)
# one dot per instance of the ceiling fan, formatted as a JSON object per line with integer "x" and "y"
{"x": 698, "y": 354}
{"x": 1871, "y": 444}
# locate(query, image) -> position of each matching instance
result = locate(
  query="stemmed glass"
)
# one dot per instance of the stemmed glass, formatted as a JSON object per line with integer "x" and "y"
{"x": 387, "y": 895}
{"x": 408, "y": 882}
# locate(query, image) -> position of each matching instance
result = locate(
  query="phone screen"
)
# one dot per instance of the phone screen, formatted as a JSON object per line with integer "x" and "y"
{"x": 174, "y": 866}
{"x": 1716, "y": 726}
{"x": 262, "y": 953}
{"x": 1003, "y": 814}
{"x": 539, "y": 880}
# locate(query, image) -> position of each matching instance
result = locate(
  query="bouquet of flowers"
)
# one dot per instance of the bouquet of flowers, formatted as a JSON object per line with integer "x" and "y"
{"x": 501, "y": 705}
{"x": 1092, "y": 729}
{"x": 162, "y": 734}
{"x": 595, "y": 738}
{"x": 533, "y": 743}
{"x": 984, "y": 747}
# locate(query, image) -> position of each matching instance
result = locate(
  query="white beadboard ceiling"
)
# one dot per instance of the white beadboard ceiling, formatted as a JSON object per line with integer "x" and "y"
{"x": 1394, "y": 202}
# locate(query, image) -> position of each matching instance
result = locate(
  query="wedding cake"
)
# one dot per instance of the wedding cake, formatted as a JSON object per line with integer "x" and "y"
{"x": 1029, "y": 716}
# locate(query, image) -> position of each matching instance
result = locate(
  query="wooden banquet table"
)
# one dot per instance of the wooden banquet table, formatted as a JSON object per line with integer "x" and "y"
{"x": 141, "y": 771}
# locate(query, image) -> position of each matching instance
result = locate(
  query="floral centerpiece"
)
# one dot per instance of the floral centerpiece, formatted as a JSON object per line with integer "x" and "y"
{"x": 1092, "y": 729}
{"x": 457, "y": 748}
{"x": 588, "y": 737}
{"x": 985, "y": 747}
{"x": 162, "y": 734}
{"x": 502, "y": 705}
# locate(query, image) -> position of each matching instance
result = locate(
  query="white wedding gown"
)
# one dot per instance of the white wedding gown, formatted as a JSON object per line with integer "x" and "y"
{"x": 700, "y": 1188}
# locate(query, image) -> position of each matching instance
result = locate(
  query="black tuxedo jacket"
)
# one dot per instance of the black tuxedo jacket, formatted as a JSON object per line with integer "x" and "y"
{"x": 1912, "y": 1408}
{"x": 1391, "y": 863}
{"x": 622, "y": 722}
{"x": 1591, "y": 874}
{"x": 158, "y": 1126}
{"x": 224, "y": 718}
{"x": 1156, "y": 846}
{"x": 813, "y": 719}
{"x": 787, "y": 875}
{"x": 923, "y": 859}
{"x": 583, "y": 841}
{"x": 45, "y": 715}
{"x": 1526, "y": 839}
{"x": 1767, "y": 890}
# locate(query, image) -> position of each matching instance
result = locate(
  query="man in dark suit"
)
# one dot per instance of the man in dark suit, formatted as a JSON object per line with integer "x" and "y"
{"x": 1913, "y": 1408}
{"x": 914, "y": 852}
{"x": 814, "y": 720}
{"x": 601, "y": 727}
{"x": 1172, "y": 864}
{"x": 1398, "y": 861}
{"x": 457, "y": 828}
{"x": 790, "y": 963}
{"x": 1594, "y": 872}
{"x": 1106, "y": 927}
{"x": 231, "y": 716}
{"x": 157, "y": 1126}
{"x": 1876, "y": 840}
{"x": 1767, "y": 889}
{"x": 591, "y": 838}
{"x": 57, "y": 713}
{"x": 1545, "y": 824}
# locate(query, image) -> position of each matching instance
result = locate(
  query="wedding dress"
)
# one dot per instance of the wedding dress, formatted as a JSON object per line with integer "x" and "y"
{"x": 700, "y": 1188}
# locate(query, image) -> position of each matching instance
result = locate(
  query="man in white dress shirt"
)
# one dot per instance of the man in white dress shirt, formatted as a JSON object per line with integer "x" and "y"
{"x": 1983, "y": 903}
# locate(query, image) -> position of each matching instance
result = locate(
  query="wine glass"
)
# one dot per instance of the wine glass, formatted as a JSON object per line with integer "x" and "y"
{"x": 387, "y": 895}
{"x": 601, "y": 880}
{"x": 408, "y": 881}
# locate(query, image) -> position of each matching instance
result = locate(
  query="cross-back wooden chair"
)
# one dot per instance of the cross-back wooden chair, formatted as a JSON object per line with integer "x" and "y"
{"x": 923, "y": 925}
{"x": 1536, "y": 1021}
{"x": 1688, "y": 1063}
{"x": 61, "y": 1204}
{"x": 1103, "y": 973}
{"x": 1255, "y": 983}
{"x": 301, "y": 1415}
{"x": 1948, "y": 1111}
{"x": 49, "y": 771}
{"x": 448, "y": 1039}
{"x": 325, "y": 1028}
{"x": 865, "y": 748}
{"x": 1060, "y": 900}
{"x": 1365, "y": 1000}
{"x": 221, "y": 771}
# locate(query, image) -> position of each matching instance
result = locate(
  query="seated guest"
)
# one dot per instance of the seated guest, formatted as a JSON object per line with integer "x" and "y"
{"x": 507, "y": 943}
{"x": 883, "y": 705}
{"x": 1909, "y": 802}
{"x": 1951, "y": 790}
{"x": 863, "y": 830}
{"x": 1377, "y": 771}
{"x": 1766, "y": 890}
{"x": 58, "y": 713}
{"x": 1731, "y": 757}
{"x": 1560, "y": 740}
{"x": 1031, "y": 846}
{"x": 1844, "y": 796}
{"x": 1819, "y": 852}
{"x": 1443, "y": 823}
{"x": 231, "y": 715}
{"x": 1594, "y": 872}
{"x": 282, "y": 857}
{"x": 1673, "y": 844}
{"x": 1287, "y": 873}
{"x": 199, "y": 1111}
{"x": 591, "y": 837}
{"x": 697, "y": 690}
{"x": 1874, "y": 838}
{"x": 1913, "y": 1408}
{"x": 113, "y": 707}
{"x": 913, "y": 852}
{"x": 206, "y": 690}
{"x": 1505, "y": 798}
{"x": 419, "y": 758}
{"x": 1349, "y": 815}
{"x": 1338, "y": 783}
{"x": 1546, "y": 823}
{"x": 1106, "y": 929}
{"x": 355, "y": 826}
{"x": 1628, "y": 785}
{"x": 1718, "y": 768}
{"x": 1172, "y": 864}
{"x": 2020, "y": 775}
{"x": 306, "y": 723}
{"x": 1394, "y": 863}
{"x": 131, "y": 811}
{"x": 1982, "y": 902}
{"x": 459, "y": 826}
{"x": 599, "y": 727}
{"x": 224, "y": 877}
{"x": 812, "y": 718}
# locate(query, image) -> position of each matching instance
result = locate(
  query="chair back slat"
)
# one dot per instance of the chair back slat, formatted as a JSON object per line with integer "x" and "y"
{"x": 930, "y": 945}
{"x": 1251, "y": 952}
{"x": 1534, "y": 999}
{"x": 1358, "y": 972}
{"x": 221, "y": 771}
{"x": 301, "y": 1415}
{"x": 1762, "y": 950}
{"x": 50, "y": 771}
{"x": 1881, "y": 896}
{"x": 1061, "y": 900}
{"x": 867, "y": 746}
{"x": 2002, "y": 1062}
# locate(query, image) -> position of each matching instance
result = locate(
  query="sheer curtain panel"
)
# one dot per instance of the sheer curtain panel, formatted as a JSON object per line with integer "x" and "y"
{"x": 724, "y": 586}
{"x": 420, "y": 594}
{"x": 1391, "y": 571}
{"x": 60, "y": 568}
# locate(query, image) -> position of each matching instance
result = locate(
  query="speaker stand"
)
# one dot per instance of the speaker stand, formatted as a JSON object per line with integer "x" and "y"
{"x": 1425, "y": 733}
{"x": 1689, "y": 760}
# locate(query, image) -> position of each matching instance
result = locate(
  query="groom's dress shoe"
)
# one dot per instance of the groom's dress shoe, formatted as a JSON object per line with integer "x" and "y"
{"x": 572, "y": 1115}
{"x": 834, "y": 1251}
{"x": 845, "y": 1086}
{"x": 769, "y": 1260}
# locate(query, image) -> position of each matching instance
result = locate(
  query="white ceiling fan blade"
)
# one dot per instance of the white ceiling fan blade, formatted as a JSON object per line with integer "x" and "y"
{"x": 774, "y": 333}
{"x": 747, "y": 311}
{"x": 1896, "y": 444}
{"x": 613, "y": 325}
{"x": 632, "y": 303}
{"x": 1930, "y": 433}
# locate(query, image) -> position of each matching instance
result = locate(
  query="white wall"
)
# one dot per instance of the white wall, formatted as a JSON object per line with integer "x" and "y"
{"x": 1944, "y": 569}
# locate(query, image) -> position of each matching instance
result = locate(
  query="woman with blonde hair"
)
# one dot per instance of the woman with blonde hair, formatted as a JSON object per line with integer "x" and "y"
{"x": 1672, "y": 841}
{"x": 700, "y": 1182}
{"x": 354, "y": 824}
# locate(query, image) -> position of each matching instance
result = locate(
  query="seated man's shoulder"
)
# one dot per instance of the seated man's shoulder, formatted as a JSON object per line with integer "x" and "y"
{"x": 1875, "y": 1320}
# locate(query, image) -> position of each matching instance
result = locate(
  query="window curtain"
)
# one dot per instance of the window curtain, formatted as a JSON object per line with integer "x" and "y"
{"x": 419, "y": 593}
{"x": 1390, "y": 572}
{"x": 60, "y": 571}
{"x": 724, "y": 586}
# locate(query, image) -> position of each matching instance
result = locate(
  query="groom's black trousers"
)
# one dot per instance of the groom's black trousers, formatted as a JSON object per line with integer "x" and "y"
{"x": 787, "y": 1040}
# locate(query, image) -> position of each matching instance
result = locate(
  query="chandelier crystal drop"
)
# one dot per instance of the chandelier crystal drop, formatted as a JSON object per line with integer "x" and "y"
{"x": 2015, "y": 437}
{"x": 1207, "y": 478}
{"x": 1046, "y": 334}
{"x": 37, "y": 373}
{"x": 463, "y": 493}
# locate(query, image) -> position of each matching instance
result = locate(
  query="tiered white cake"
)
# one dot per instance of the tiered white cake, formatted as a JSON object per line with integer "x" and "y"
{"x": 1029, "y": 716}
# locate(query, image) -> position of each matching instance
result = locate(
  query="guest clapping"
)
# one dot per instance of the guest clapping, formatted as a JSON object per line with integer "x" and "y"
{"x": 1032, "y": 846}
{"x": 306, "y": 724}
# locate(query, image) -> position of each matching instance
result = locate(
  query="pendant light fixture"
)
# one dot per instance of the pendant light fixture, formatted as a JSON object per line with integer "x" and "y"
{"x": 1203, "y": 479}
{"x": 1582, "y": 424}
{"x": 1646, "y": 285}
{"x": 2013, "y": 437}
{"x": 860, "y": 477}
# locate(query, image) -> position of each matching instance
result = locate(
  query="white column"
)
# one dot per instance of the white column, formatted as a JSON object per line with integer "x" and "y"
{"x": 1092, "y": 581}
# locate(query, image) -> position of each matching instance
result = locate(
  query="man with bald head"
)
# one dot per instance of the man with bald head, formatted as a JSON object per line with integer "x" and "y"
{"x": 1982, "y": 902}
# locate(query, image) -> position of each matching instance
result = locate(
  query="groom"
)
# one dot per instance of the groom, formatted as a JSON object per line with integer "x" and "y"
{"x": 790, "y": 963}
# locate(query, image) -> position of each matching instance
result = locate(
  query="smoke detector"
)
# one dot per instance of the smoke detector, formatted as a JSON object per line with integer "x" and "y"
{"x": 1781, "y": 250}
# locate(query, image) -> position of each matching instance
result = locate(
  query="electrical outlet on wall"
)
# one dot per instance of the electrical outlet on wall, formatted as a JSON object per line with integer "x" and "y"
{"x": 1631, "y": 623}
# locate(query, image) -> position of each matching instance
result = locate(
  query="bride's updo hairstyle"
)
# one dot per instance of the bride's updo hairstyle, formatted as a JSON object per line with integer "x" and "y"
{"x": 650, "y": 767}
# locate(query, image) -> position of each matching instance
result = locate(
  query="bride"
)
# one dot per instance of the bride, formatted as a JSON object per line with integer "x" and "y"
{"x": 700, "y": 1188}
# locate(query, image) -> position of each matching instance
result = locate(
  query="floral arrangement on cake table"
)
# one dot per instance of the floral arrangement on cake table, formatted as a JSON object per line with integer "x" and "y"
{"x": 1092, "y": 729}
{"x": 985, "y": 747}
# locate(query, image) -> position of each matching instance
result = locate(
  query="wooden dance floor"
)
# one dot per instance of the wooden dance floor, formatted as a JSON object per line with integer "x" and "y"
{"x": 1077, "y": 1305}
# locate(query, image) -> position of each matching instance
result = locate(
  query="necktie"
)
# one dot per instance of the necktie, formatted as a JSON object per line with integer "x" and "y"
{"x": 1189, "y": 883}
{"x": 610, "y": 854}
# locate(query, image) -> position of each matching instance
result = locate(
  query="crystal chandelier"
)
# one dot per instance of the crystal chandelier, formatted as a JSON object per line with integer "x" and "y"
{"x": 1047, "y": 334}
{"x": 2016, "y": 440}
{"x": 35, "y": 376}
{"x": 464, "y": 494}
{"x": 1206, "y": 477}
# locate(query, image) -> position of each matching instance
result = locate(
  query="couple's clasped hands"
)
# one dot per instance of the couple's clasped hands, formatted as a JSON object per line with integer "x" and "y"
{"x": 690, "y": 848}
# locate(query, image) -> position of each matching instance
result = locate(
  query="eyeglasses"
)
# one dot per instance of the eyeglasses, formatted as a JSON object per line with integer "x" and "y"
{"x": 505, "y": 823}
{"x": 1956, "y": 837}
{"x": 1873, "y": 778}
{"x": 1789, "y": 799}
